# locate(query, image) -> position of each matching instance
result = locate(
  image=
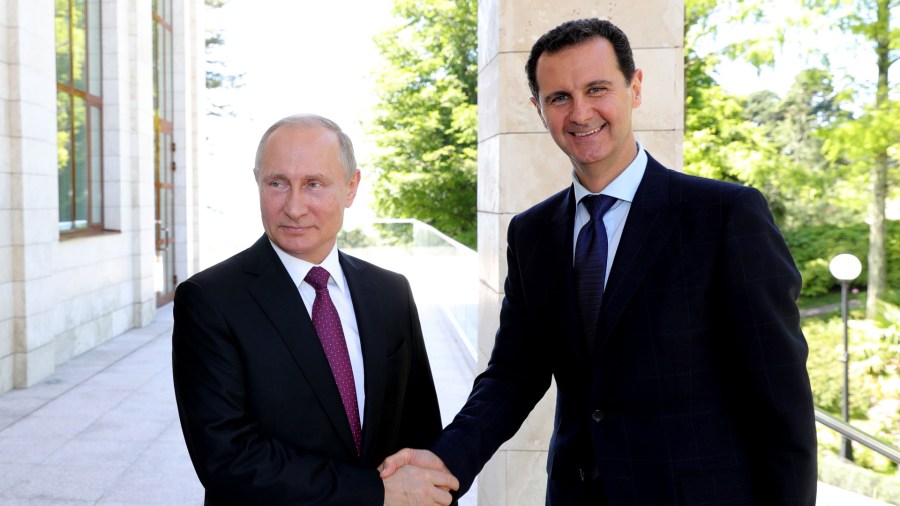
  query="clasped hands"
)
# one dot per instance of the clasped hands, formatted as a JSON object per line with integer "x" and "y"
{"x": 416, "y": 477}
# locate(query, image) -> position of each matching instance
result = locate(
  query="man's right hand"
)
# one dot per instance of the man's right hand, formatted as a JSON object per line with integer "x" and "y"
{"x": 408, "y": 456}
{"x": 410, "y": 484}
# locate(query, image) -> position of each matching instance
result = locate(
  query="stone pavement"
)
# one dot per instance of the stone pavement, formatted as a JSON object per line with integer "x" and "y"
{"x": 104, "y": 430}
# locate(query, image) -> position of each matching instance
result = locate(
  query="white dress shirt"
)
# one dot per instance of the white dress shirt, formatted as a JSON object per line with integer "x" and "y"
{"x": 623, "y": 188}
{"x": 340, "y": 295}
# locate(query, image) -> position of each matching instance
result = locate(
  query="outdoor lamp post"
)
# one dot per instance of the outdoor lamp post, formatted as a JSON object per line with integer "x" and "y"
{"x": 845, "y": 267}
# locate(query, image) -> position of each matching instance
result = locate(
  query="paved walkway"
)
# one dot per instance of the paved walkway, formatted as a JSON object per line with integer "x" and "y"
{"x": 104, "y": 430}
{"x": 817, "y": 311}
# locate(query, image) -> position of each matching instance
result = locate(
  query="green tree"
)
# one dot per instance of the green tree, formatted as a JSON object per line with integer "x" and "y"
{"x": 425, "y": 126}
{"x": 802, "y": 182}
{"x": 871, "y": 141}
{"x": 720, "y": 142}
{"x": 859, "y": 150}
{"x": 865, "y": 146}
{"x": 217, "y": 75}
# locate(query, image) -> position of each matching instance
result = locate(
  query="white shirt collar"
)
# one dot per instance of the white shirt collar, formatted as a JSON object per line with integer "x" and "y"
{"x": 298, "y": 269}
{"x": 622, "y": 187}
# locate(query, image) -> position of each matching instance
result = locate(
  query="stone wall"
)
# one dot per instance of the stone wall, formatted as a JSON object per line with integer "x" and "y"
{"x": 61, "y": 296}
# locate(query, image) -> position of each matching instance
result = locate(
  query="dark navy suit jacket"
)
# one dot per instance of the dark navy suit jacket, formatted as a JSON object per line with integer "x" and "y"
{"x": 694, "y": 389}
{"x": 259, "y": 407}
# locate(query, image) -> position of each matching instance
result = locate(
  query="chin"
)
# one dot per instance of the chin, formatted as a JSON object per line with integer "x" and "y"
{"x": 293, "y": 245}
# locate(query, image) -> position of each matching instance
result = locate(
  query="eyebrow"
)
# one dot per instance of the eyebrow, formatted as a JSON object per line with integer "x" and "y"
{"x": 596, "y": 82}
{"x": 307, "y": 177}
{"x": 269, "y": 177}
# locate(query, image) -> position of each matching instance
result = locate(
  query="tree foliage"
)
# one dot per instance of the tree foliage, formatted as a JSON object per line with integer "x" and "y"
{"x": 425, "y": 127}
{"x": 872, "y": 140}
{"x": 217, "y": 74}
{"x": 826, "y": 152}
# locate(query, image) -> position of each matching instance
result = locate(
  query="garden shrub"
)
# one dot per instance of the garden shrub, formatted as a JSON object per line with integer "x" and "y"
{"x": 814, "y": 246}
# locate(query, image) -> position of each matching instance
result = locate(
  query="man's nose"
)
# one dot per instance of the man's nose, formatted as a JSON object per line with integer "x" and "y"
{"x": 295, "y": 205}
{"x": 581, "y": 111}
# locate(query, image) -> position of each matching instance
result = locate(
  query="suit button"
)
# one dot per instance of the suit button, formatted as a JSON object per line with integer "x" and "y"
{"x": 597, "y": 415}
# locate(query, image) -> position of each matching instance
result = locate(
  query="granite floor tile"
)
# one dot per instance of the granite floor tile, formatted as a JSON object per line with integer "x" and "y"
{"x": 51, "y": 427}
{"x": 101, "y": 453}
{"x": 33, "y": 449}
{"x": 65, "y": 483}
{"x": 14, "y": 473}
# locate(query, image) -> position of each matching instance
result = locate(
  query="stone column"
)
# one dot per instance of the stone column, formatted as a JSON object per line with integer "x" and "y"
{"x": 30, "y": 95}
{"x": 519, "y": 165}
{"x": 9, "y": 217}
{"x": 141, "y": 165}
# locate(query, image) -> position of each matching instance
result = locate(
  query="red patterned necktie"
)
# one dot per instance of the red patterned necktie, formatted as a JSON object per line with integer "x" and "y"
{"x": 328, "y": 326}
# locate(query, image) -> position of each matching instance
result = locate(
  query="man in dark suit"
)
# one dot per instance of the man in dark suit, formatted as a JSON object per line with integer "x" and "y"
{"x": 683, "y": 382}
{"x": 298, "y": 368}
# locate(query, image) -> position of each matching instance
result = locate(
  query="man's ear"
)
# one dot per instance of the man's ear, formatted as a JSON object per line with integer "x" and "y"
{"x": 636, "y": 98}
{"x": 537, "y": 107}
{"x": 352, "y": 187}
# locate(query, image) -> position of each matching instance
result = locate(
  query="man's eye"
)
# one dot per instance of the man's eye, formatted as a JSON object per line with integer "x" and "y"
{"x": 314, "y": 184}
{"x": 276, "y": 184}
{"x": 557, "y": 99}
{"x": 596, "y": 90}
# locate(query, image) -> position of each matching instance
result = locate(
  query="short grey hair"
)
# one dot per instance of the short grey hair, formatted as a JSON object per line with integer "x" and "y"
{"x": 346, "y": 155}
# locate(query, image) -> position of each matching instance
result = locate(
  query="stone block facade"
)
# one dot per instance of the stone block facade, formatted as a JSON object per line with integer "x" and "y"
{"x": 63, "y": 295}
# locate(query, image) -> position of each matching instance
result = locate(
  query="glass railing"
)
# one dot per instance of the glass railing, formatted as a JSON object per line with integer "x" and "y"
{"x": 440, "y": 270}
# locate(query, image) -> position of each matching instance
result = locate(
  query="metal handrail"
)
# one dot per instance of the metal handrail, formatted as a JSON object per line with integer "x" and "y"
{"x": 857, "y": 435}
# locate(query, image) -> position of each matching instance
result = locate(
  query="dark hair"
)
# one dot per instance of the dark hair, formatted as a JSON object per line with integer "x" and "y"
{"x": 575, "y": 32}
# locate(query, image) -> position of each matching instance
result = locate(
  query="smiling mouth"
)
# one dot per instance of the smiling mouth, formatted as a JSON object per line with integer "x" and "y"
{"x": 585, "y": 134}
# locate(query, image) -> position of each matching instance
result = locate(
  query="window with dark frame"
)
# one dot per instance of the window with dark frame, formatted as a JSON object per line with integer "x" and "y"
{"x": 78, "y": 111}
{"x": 164, "y": 148}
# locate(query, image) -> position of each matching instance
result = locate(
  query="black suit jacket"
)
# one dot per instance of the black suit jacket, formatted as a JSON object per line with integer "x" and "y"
{"x": 259, "y": 408}
{"x": 694, "y": 389}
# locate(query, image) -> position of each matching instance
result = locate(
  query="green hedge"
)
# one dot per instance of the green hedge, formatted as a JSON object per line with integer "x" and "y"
{"x": 813, "y": 247}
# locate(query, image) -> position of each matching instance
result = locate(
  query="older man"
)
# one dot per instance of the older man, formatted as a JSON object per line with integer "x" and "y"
{"x": 298, "y": 368}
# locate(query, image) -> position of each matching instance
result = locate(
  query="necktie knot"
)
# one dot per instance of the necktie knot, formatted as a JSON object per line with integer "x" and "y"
{"x": 317, "y": 277}
{"x": 597, "y": 205}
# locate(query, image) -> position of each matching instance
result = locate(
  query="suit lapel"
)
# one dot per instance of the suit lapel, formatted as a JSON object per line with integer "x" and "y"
{"x": 369, "y": 320}
{"x": 647, "y": 229}
{"x": 280, "y": 301}
{"x": 554, "y": 255}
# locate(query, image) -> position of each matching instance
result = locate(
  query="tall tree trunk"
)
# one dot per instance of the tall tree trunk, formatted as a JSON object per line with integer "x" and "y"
{"x": 877, "y": 231}
{"x": 877, "y": 227}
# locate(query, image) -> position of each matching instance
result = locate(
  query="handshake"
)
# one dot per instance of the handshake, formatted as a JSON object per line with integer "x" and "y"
{"x": 416, "y": 477}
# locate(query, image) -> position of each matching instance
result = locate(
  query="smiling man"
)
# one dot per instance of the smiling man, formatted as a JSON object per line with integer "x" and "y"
{"x": 298, "y": 368}
{"x": 662, "y": 304}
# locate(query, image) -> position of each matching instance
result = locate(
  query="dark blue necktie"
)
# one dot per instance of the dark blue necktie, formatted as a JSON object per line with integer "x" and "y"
{"x": 591, "y": 251}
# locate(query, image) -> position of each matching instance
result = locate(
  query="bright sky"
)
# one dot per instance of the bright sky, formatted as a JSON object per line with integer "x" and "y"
{"x": 296, "y": 56}
{"x": 845, "y": 60}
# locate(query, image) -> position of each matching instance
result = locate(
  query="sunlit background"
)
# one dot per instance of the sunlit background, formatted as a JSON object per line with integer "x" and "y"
{"x": 293, "y": 57}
